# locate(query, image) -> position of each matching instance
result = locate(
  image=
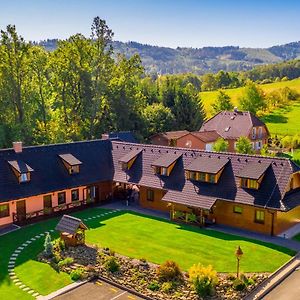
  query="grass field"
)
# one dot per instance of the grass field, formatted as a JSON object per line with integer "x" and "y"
{"x": 140, "y": 237}
{"x": 280, "y": 121}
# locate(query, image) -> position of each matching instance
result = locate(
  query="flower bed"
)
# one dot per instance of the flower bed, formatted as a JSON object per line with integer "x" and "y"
{"x": 85, "y": 262}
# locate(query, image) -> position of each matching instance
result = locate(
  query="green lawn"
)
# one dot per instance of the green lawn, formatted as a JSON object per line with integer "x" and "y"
{"x": 284, "y": 121}
{"x": 136, "y": 236}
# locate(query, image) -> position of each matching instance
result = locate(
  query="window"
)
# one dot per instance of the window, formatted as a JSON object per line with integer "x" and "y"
{"x": 61, "y": 198}
{"x": 260, "y": 132}
{"x": 75, "y": 195}
{"x": 210, "y": 178}
{"x": 252, "y": 184}
{"x": 164, "y": 171}
{"x": 237, "y": 209}
{"x": 24, "y": 177}
{"x": 258, "y": 145}
{"x": 193, "y": 175}
{"x": 4, "y": 210}
{"x": 259, "y": 216}
{"x": 202, "y": 176}
{"x": 244, "y": 182}
{"x": 150, "y": 195}
{"x": 253, "y": 133}
{"x": 74, "y": 169}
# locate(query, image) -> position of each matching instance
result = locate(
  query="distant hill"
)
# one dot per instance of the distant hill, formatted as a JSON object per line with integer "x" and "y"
{"x": 165, "y": 60}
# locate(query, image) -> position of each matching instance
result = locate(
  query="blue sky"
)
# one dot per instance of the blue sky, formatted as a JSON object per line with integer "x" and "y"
{"x": 171, "y": 23}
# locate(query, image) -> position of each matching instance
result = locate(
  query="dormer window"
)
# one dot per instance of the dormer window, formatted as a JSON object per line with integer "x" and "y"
{"x": 128, "y": 159}
{"x": 252, "y": 175}
{"x": 206, "y": 169}
{"x": 165, "y": 164}
{"x": 21, "y": 170}
{"x": 71, "y": 163}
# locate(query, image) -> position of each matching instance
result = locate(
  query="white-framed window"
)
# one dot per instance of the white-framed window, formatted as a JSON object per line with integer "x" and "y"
{"x": 24, "y": 177}
{"x": 253, "y": 145}
{"x": 253, "y": 133}
{"x": 260, "y": 130}
{"x": 258, "y": 145}
{"x": 235, "y": 144}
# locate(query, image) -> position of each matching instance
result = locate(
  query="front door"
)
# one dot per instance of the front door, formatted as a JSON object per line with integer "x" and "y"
{"x": 47, "y": 204}
{"x": 21, "y": 210}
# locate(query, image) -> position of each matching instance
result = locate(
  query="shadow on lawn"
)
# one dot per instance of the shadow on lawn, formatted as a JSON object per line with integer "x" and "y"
{"x": 275, "y": 118}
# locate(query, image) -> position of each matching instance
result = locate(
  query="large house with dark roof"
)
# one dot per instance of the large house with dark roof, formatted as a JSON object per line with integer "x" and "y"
{"x": 230, "y": 125}
{"x": 247, "y": 191}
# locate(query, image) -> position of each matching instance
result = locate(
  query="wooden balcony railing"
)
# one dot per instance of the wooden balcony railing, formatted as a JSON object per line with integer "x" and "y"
{"x": 51, "y": 211}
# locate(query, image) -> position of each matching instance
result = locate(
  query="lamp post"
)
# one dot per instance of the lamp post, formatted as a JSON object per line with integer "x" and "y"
{"x": 238, "y": 253}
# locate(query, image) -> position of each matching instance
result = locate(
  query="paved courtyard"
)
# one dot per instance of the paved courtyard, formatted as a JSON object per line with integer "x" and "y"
{"x": 97, "y": 290}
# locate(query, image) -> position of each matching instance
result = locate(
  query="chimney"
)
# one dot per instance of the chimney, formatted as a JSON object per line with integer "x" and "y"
{"x": 105, "y": 136}
{"x": 235, "y": 109}
{"x": 18, "y": 147}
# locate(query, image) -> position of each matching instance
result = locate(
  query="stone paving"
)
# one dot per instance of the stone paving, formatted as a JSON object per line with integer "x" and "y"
{"x": 12, "y": 261}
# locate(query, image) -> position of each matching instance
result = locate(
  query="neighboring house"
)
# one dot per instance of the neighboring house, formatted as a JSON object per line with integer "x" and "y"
{"x": 168, "y": 138}
{"x": 246, "y": 191}
{"x": 198, "y": 140}
{"x": 231, "y": 125}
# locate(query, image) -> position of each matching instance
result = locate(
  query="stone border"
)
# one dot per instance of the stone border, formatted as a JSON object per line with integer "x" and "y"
{"x": 12, "y": 260}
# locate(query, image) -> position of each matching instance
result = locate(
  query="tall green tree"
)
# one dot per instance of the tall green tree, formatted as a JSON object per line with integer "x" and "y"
{"x": 223, "y": 102}
{"x": 243, "y": 145}
{"x": 253, "y": 99}
{"x": 220, "y": 145}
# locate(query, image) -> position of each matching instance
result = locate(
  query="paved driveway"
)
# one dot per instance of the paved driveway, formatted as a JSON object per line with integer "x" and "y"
{"x": 97, "y": 290}
{"x": 289, "y": 289}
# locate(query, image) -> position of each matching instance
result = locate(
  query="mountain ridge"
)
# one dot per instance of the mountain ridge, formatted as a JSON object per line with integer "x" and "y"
{"x": 165, "y": 60}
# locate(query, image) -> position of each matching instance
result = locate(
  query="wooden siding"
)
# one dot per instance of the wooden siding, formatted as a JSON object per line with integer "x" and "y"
{"x": 285, "y": 220}
{"x": 157, "y": 203}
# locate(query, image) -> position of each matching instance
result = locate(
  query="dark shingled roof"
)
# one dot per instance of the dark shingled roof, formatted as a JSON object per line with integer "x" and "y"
{"x": 200, "y": 194}
{"x": 254, "y": 170}
{"x": 20, "y": 166}
{"x": 202, "y": 164}
{"x": 167, "y": 159}
{"x": 70, "y": 224}
{"x": 70, "y": 159}
{"x": 123, "y": 136}
{"x": 232, "y": 125}
{"x": 49, "y": 173}
{"x": 130, "y": 155}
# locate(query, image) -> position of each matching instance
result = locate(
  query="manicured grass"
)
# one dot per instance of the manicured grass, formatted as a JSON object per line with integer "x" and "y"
{"x": 136, "y": 236}
{"x": 156, "y": 240}
{"x": 284, "y": 121}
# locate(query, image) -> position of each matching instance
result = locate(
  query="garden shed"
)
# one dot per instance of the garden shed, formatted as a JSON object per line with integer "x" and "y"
{"x": 72, "y": 230}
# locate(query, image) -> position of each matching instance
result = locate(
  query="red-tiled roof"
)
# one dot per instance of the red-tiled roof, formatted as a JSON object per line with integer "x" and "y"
{"x": 232, "y": 125}
{"x": 171, "y": 135}
{"x": 206, "y": 136}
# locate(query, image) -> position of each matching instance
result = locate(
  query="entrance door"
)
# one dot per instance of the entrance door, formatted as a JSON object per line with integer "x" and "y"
{"x": 92, "y": 193}
{"x": 21, "y": 210}
{"x": 47, "y": 204}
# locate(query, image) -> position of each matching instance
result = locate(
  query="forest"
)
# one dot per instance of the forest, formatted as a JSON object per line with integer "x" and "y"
{"x": 83, "y": 88}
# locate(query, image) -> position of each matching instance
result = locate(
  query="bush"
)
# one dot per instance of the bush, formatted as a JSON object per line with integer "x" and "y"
{"x": 48, "y": 247}
{"x": 154, "y": 286}
{"x": 66, "y": 262}
{"x": 204, "y": 279}
{"x": 111, "y": 264}
{"x": 166, "y": 287}
{"x": 76, "y": 274}
{"x": 239, "y": 285}
{"x": 169, "y": 271}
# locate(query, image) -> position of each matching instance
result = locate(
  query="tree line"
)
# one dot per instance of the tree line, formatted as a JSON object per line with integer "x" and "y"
{"x": 81, "y": 90}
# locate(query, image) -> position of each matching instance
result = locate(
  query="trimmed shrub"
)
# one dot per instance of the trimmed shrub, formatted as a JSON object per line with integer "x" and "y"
{"x": 154, "y": 286}
{"x": 66, "y": 262}
{"x": 167, "y": 287}
{"x": 169, "y": 271}
{"x": 204, "y": 279}
{"x": 111, "y": 264}
{"x": 48, "y": 247}
{"x": 239, "y": 285}
{"x": 76, "y": 274}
